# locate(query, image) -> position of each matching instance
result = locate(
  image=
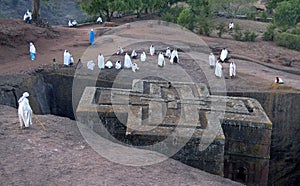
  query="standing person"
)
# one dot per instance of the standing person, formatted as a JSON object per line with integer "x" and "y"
{"x": 127, "y": 61}
{"x": 174, "y": 57}
{"x": 67, "y": 58}
{"x": 232, "y": 69}
{"x": 218, "y": 69}
{"x": 161, "y": 60}
{"x": 212, "y": 60}
{"x": 152, "y": 50}
{"x": 231, "y": 26}
{"x": 92, "y": 37}
{"x": 143, "y": 57}
{"x": 100, "y": 61}
{"x": 32, "y": 51}
{"x": 168, "y": 53}
{"x": 224, "y": 54}
{"x": 24, "y": 111}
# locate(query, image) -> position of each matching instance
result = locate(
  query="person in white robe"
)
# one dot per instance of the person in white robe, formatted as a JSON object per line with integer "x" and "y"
{"x": 99, "y": 20}
{"x": 134, "y": 67}
{"x": 152, "y": 50}
{"x": 120, "y": 51}
{"x": 218, "y": 69}
{"x": 134, "y": 55}
{"x": 32, "y": 51}
{"x": 67, "y": 58}
{"x": 161, "y": 60}
{"x": 24, "y": 111}
{"x": 127, "y": 61}
{"x": 278, "y": 80}
{"x": 118, "y": 65}
{"x": 168, "y": 53}
{"x": 109, "y": 64}
{"x": 212, "y": 60}
{"x": 174, "y": 57}
{"x": 143, "y": 56}
{"x": 90, "y": 65}
{"x": 224, "y": 54}
{"x": 231, "y": 25}
{"x": 28, "y": 17}
{"x": 232, "y": 69}
{"x": 100, "y": 61}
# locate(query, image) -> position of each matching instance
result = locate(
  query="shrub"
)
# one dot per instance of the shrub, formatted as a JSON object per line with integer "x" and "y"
{"x": 288, "y": 40}
{"x": 221, "y": 28}
{"x": 253, "y": 36}
{"x": 269, "y": 34}
{"x": 247, "y": 35}
{"x": 186, "y": 19}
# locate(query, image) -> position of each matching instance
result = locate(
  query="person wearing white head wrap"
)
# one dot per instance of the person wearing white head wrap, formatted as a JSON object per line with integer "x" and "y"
{"x": 232, "y": 69}
{"x": 168, "y": 53}
{"x": 218, "y": 69}
{"x": 134, "y": 55}
{"x": 120, "y": 51}
{"x": 143, "y": 56}
{"x": 101, "y": 61}
{"x": 90, "y": 65}
{"x": 134, "y": 67}
{"x": 174, "y": 57}
{"x": 32, "y": 51}
{"x": 212, "y": 60}
{"x": 24, "y": 111}
{"x": 127, "y": 61}
{"x": 109, "y": 64}
{"x": 224, "y": 54}
{"x": 152, "y": 50}
{"x": 118, "y": 65}
{"x": 67, "y": 58}
{"x": 161, "y": 60}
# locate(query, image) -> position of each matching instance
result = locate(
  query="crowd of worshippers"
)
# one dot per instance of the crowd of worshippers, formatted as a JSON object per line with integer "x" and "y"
{"x": 217, "y": 66}
{"x": 128, "y": 59}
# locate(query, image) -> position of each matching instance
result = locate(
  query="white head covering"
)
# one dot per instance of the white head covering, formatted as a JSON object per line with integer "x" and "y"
{"x": 25, "y": 94}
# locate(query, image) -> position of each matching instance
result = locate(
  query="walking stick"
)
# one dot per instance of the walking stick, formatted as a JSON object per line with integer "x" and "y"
{"x": 39, "y": 121}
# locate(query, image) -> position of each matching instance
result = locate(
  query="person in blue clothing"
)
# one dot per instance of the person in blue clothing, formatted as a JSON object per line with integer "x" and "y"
{"x": 92, "y": 36}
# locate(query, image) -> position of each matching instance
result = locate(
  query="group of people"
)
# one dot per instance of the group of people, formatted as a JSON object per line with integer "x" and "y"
{"x": 218, "y": 66}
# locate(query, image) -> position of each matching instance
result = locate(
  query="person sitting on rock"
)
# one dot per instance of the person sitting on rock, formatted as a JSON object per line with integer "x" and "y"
{"x": 134, "y": 55}
{"x": 174, "y": 57}
{"x": 134, "y": 67}
{"x": 28, "y": 17}
{"x": 118, "y": 65}
{"x": 72, "y": 23}
{"x": 278, "y": 80}
{"x": 231, "y": 26}
{"x": 99, "y": 20}
{"x": 109, "y": 64}
{"x": 120, "y": 51}
{"x": 224, "y": 55}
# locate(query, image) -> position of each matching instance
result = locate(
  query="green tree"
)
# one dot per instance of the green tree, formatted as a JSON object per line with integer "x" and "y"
{"x": 287, "y": 13}
{"x": 102, "y": 7}
{"x": 201, "y": 10}
{"x": 186, "y": 19}
{"x": 231, "y": 7}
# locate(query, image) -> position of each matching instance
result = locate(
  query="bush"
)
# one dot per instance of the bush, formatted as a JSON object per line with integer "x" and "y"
{"x": 221, "y": 28}
{"x": 186, "y": 19}
{"x": 288, "y": 40}
{"x": 269, "y": 34}
{"x": 171, "y": 15}
{"x": 246, "y": 36}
